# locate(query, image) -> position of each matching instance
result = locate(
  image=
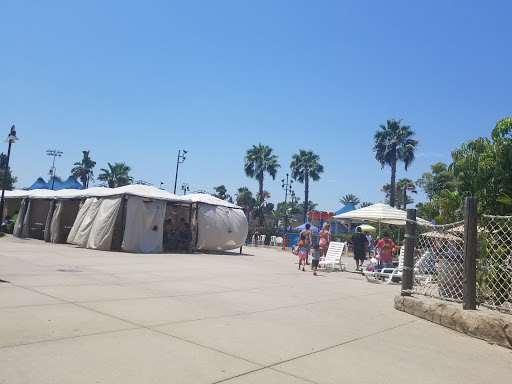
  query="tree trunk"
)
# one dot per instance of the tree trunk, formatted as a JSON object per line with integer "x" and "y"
{"x": 405, "y": 198}
{"x": 260, "y": 221}
{"x": 392, "y": 198}
{"x": 306, "y": 194}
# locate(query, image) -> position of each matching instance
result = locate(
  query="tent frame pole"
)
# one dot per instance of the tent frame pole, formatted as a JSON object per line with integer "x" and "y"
{"x": 123, "y": 218}
{"x": 197, "y": 226}
{"x": 189, "y": 224}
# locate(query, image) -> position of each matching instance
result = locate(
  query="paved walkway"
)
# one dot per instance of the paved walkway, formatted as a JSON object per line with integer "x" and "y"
{"x": 71, "y": 315}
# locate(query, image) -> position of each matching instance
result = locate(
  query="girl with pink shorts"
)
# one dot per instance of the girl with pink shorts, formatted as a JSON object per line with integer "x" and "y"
{"x": 303, "y": 251}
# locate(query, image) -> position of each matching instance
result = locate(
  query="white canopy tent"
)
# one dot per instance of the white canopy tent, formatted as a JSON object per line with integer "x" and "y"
{"x": 137, "y": 211}
{"x": 381, "y": 213}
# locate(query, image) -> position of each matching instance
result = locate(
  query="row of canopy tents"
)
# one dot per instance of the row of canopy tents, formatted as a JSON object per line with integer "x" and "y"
{"x": 130, "y": 218}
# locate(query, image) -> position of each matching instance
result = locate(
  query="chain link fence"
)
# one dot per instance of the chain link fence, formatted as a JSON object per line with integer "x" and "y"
{"x": 439, "y": 261}
{"x": 438, "y": 269}
{"x": 494, "y": 263}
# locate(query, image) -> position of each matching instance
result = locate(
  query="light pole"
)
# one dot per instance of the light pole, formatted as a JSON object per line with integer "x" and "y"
{"x": 10, "y": 139}
{"x": 287, "y": 190}
{"x": 54, "y": 153}
{"x": 185, "y": 188}
{"x": 182, "y": 157}
{"x": 292, "y": 196}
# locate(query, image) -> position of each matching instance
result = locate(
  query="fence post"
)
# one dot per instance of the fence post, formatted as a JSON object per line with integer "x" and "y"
{"x": 470, "y": 253}
{"x": 410, "y": 231}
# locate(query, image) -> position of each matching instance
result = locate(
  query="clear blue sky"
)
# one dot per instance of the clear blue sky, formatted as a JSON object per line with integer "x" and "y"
{"x": 135, "y": 81}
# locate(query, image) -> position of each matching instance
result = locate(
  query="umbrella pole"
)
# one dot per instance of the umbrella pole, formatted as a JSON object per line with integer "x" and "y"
{"x": 379, "y": 229}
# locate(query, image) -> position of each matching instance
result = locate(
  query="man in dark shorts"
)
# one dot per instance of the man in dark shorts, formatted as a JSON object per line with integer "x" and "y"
{"x": 359, "y": 243}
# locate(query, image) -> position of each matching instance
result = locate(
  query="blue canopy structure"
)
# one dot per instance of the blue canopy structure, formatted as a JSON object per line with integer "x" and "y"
{"x": 347, "y": 208}
{"x": 38, "y": 184}
{"x": 71, "y": 183}
{"x": 303, "y": 226}
{"x": 57, "y": 183}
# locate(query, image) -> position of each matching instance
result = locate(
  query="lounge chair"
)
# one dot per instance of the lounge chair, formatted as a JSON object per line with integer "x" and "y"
{"x": 333, "y": 257}
{"x": 387, "y": 275}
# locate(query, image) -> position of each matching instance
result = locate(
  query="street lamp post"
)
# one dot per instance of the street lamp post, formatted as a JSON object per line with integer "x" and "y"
{"x": 54, "y": 153}
{"x": 182, "y": 157}
{"x": 185, "y": 188}
{"x": 287, "y": 190}
{"x": 10, "y": 139}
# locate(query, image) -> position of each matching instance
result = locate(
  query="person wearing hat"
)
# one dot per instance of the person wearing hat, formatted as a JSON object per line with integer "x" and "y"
{"x": 386, "y": 246}
{"x": 359, "y": 242}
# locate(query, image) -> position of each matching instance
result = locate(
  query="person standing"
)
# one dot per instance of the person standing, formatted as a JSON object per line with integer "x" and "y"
{"x": 302, "y": 251}
{"x": 307, "y": 232}
{"x": 359, "y": 243}
{"x": 256, "y": 237}
{"x": 324, "y": 239}
{"x": 369, "y": 238}
{"x": 386, "y": 246}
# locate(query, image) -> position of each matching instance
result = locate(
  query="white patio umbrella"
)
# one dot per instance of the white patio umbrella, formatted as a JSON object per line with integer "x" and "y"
{"x": 379, "y": 212}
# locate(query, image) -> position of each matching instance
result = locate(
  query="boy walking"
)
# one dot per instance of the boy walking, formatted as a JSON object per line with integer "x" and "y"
{"x": 315, "y": 258}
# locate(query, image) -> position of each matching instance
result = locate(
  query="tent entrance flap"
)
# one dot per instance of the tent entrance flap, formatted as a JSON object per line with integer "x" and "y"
{"x": 94, "y": 225}
{"x": 143, "y": 232}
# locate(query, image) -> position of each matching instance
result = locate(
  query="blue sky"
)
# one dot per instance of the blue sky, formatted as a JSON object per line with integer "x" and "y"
{"x": 135, "y": 82}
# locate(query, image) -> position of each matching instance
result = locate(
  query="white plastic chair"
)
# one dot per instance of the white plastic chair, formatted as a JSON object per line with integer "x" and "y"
{"x": 272, "y": 240}
{"x": 333, "y": 257}
{"x": 262, "y": 240}
{"x": 279, "y": 241}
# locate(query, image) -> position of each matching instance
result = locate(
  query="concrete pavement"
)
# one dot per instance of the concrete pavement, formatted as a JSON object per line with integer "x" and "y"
{"x": 70, "y": 315}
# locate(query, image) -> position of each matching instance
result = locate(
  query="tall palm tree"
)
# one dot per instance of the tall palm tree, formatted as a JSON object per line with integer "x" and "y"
{"x": 306, "y": 165}
{"x": 350, "y": 198}
{"x": 116, "y": 175}
{"x": 393, "y": 143}
{"x": 83, "y": 170}
{"x": 258, "y": 160}
{"x": 365, "y": 204}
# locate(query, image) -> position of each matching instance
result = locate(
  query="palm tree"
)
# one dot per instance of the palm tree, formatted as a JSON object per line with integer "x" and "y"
{"x": 399, "y": 193}
{"x": 349, "y": 198}
{"x": 116, "y": 175}
{"x": 393, "y": 143}
{"x": 404, "y": 185}
{"x": 265, "y": 194}
{"x": 258, "y": 160}
{"x": 244, "y": 198}
{"x": 305, "y": 165}
{"x": 83, "y": 170}
{"x": 365, "y": 204}
{"x": 222, "y": 193}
